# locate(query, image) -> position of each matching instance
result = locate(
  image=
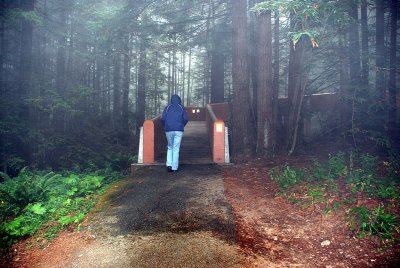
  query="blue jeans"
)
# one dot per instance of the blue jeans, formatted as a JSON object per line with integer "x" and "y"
{"x": 174, "y": 143}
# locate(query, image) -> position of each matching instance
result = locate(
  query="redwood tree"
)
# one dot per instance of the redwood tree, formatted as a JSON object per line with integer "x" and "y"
{"x": 393, "y": 67}
{"x": 265, "y": 124}
{"x": 380, "y": 47}
{"x": 242, "y": 127}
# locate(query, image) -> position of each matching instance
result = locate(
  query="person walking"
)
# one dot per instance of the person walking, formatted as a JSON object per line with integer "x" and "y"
{"x": 174, "y": 119}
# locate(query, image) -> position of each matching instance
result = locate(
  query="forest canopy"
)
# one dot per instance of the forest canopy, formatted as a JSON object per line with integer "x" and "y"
{"x": 78, "y": 78}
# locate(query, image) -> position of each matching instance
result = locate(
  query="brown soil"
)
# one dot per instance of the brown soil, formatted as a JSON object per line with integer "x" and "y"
{"x": 278, "y": 233}
{"x": 270, "y": 232}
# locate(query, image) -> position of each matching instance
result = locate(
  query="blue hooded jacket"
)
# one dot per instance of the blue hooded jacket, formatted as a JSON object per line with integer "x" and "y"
{"x": 174, "y": 116}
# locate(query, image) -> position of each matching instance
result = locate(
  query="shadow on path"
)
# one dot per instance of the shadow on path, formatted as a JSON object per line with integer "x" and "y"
{"x": 155, "y": 201}
{"x": 159, "y": 219}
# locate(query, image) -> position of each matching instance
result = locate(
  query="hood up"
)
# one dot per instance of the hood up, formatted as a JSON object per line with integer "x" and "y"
{"x": 175, "y": 99}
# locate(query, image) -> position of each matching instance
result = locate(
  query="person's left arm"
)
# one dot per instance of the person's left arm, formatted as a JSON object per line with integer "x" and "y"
{"x": 185, "y": 117}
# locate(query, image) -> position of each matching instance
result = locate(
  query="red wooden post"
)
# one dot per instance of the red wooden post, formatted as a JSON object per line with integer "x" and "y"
{"x": 219, "y": 142}
{"x": 148, "y": 142}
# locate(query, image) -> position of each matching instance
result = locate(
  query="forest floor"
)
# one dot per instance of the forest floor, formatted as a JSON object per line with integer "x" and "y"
{"x": 207, "y": 216}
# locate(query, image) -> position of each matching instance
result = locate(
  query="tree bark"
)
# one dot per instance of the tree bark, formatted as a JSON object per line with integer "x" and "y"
{"x": 296, "y": 86}
{"x": 265, "y": 87}
{"x": 25, "y": 62}
{"x": 393, "y": 69}
{"x": 25, "y": 75}
{"x": 242, "y": 126}
{"x": 354, "y": 47}
{"x": 169, "y": 76}
{"x": 99, "y": 66}
{"x": 344, "y": 82}
{"x": 125, "y": 90}
{"x": 183, "y": 76}
{"x": 217, "y": 69}
{"x": 297, "y": 77}
{"x": 189, "y": 76}
{"x": 141, "y": 95}
{"x": 2, "y": 52}
{"x": 380, "y": 48}
{"x": 276, "y": 67}
{"x": 117, "y": 89}
{"x": 61, "y": 49}
{"x": 364, "y": 44}
{"x": 253, "y": 59}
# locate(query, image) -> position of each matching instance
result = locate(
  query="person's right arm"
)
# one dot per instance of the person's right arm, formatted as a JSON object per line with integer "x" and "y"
{"x": 163, "y": 115}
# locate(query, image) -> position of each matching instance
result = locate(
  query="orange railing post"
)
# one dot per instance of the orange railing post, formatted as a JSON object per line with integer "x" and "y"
{"x": 218, "y": 132}
{"x": 219, "y": 142}
{"x": 148, "y": 142}
{"x": 153, "y": 141}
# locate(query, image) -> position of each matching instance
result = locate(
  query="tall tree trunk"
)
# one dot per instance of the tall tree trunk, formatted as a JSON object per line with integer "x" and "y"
{"x": 2, "y": 51}
{"x": 107, "y": 103}
{"x": 242, "y": 125}
{"x": 141, "y": 96}
{"x": 364, "y": 43}
{"x": 61, "y": 49}
{"x": 265, "y": 88}
{"x": 174, "y": 69}
{"x": 344, "y": 81}
{"x": 217, "y": 69}
{"x": 296, "y": 87}
{"x": 169, "y": 76}
{"x": 99, "y": 66}
{"x": 206, "y": 80}
{"x": 276, "y": 66}
{"x": 156, "y": 93}
{"x": 25, "y": 64}
{"x": 125, "y": 90}
{"x": 297, "y": 78}
{"x": 253, "y": 59}
{"x": 25, "y": 73}
{"x": 354, "y": 47}
{"x": 117, "y": 89}
{"x": 380, "y": 48}
{"x": 183, "y": 76}
{"x": 393, "y": 69}
{"x": 189, "y": 76}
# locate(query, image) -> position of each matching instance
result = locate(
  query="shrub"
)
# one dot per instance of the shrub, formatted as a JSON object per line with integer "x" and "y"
{"x": 287, "y": 177}
{"x": 337, "y": 166}
{"x": 27, "y": 188}
{"x": 31, "y": 200}
{"x": 374, "y": 222}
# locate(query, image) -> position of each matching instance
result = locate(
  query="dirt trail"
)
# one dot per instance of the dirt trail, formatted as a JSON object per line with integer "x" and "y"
{"x": 159, "y": 219}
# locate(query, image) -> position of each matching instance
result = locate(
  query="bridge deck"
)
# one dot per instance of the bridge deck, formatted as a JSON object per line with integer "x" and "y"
{"x": 195, "y": 146}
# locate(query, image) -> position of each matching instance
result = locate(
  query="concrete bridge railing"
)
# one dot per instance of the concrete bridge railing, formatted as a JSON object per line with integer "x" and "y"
{"x": 153, "y": 143}
{"x": 217, "y": 115}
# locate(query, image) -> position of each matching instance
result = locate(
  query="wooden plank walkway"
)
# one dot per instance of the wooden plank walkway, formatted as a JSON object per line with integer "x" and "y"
{"x": 195, "y": 146}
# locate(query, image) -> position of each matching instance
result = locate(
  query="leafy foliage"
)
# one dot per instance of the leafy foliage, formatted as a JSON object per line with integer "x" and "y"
{"x": 320, "y": 185}
{"x": 286, "y": 177}
{"x": 34, "y": 199}
{"x": 374, "y": 222}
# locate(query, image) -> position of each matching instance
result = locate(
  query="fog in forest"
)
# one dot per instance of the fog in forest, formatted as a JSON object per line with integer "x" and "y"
{"x": 298, "y": 99}
{"x": 78, "y": 78}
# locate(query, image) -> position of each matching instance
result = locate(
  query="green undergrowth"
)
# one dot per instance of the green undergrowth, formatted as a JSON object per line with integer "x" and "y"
{"x": 340, "y": 182}
{"x": 43, "y": 203}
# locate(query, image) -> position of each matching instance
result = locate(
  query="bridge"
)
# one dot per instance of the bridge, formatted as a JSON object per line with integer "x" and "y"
{"x": 205, "y": 140}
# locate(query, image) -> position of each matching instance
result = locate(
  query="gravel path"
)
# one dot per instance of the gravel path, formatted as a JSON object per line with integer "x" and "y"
{"x": 160, "y": 219}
